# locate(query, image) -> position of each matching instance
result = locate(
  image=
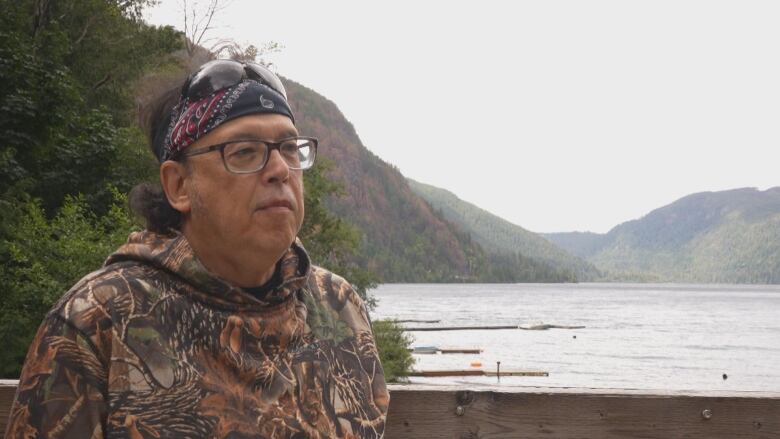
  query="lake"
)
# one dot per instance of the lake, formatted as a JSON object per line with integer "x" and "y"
{"x": 636, "y": 336}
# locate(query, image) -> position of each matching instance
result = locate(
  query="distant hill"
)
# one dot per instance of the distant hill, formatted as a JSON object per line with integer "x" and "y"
{"x": 498, "y": 235}
{"x": 729, "y": 236}
{"x": 404, "y": 239}
{"x": 582, "y": 244}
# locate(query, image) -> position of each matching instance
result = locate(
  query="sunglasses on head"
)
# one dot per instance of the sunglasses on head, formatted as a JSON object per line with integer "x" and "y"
{"x": 222, "y": 73}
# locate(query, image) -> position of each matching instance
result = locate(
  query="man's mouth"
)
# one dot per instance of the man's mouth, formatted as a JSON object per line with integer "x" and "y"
{"x": 279, "y": 204}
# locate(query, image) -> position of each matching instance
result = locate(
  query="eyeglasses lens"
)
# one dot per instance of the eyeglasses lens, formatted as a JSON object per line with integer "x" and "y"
{"x": 304, "y": 154}
{"x": 250, "y": 156}
{"x": 245, "y": 156}
{"x": 214, "y": 75}
{"x": 267, "y": 77}
{"x": 218, "y": 74}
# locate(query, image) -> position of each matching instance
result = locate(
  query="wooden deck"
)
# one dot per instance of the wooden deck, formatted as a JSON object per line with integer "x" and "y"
{"x": 430, "y": 412}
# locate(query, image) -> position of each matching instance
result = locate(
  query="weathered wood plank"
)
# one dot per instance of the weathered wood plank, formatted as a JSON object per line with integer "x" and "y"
{"x": 495, "y": 413}
{"x": 523, "y": 413}
{"x": 7, "y": 393}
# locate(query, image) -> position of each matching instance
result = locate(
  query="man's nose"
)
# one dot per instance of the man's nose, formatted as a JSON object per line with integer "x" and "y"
{"x": 276, "y": 169}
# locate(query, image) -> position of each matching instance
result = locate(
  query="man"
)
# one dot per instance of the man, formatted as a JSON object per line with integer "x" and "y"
{"x": 212, "y": 322}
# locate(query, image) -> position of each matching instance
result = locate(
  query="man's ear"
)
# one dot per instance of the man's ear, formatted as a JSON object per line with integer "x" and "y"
{"x": 175, "y": 181}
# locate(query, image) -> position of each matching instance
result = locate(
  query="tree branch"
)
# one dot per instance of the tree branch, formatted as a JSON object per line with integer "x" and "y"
{"x": 102, "y": 82}
{"x": 84, "y": 32}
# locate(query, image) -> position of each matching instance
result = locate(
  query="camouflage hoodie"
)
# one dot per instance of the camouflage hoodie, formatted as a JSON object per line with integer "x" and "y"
{"x": 154, "y": 346}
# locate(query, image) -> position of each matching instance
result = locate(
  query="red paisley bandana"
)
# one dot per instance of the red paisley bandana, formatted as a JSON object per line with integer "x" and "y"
{"x": 192, "y": 120}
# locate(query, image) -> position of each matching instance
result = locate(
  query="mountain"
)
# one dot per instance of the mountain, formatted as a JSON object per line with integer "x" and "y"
{"x": 404, "y": 239}
{"x": 725, "y": 237}
{"x": 581, "y": 244}
{"x": 498, "y": 235}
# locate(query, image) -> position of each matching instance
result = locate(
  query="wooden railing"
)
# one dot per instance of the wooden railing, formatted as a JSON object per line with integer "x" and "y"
{"x": 7, "y": 392}
{"x": 419, "y": 411}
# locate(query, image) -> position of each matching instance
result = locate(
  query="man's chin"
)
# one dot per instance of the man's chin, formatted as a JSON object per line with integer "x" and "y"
{"x": 271, "y": 242}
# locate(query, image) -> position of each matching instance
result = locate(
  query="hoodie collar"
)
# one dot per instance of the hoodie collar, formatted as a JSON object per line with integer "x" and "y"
{"x": 173, "y": 253}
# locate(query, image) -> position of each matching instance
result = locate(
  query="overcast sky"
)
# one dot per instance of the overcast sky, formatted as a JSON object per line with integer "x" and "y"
{"x": 555, "y": 115}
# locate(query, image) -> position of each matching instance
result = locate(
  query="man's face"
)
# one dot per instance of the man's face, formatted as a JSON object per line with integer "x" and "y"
{"x": 260, "y": 212}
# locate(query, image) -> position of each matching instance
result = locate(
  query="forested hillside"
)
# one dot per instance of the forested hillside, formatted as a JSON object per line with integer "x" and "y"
{"x": 497, "y": 235}
{"x": 725, "y": 237}
{"x": 403, "y": 238}
{"x": 70, "y": 147}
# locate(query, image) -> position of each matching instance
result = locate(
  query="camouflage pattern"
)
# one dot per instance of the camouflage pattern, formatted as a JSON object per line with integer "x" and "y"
{"x": 153, "y": 346}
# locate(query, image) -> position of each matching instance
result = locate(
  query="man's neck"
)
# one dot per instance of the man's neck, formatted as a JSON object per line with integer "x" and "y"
{"x": 239, "y": 266}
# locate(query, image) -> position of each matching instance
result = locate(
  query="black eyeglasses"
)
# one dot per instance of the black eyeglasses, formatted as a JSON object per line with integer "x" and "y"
{"x": 222, "y": 73}
{"x": 246, "y": 156}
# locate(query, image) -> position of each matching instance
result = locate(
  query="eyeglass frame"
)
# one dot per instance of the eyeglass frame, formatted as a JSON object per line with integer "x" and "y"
{"x": 271, "y": 147}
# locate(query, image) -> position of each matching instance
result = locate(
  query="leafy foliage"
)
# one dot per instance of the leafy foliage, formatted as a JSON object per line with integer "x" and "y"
{"x": 69, "y": 146}
{"x": 393, "y": 345}
{"x": 330, "y": 240}
{"x": 66, "y": 108}
{"x": 44, "y": 258}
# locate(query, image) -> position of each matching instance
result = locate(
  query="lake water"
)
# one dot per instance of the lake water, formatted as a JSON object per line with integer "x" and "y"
{"x": 636, "y": 336}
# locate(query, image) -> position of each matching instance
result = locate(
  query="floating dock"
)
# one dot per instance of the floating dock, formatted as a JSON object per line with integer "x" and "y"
{"x": 458, "y": 328}
{"x": 477, "y": 372}
{"x": 470, "y": 328}
{"x": 430, "y": 350}
{"x": 460, "y": 351}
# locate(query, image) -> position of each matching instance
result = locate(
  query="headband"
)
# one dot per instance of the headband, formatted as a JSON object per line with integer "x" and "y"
{"x": 191, "y": 120}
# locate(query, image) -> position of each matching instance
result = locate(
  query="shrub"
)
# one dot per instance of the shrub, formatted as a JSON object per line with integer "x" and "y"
{"x": 393, "y": 345}
{"x": 43, "y": 258}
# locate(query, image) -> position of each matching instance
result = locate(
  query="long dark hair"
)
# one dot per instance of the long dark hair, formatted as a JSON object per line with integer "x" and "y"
{"x": 148, "y": 200}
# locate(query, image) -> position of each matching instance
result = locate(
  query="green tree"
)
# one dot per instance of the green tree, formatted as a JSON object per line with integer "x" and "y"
{"x": 66, "y": 109}
{"x": 69, "y": 70}
{"x": 43, "y": 258}
{"x": 394, "y": 349}
{"x": 331, "y": 241}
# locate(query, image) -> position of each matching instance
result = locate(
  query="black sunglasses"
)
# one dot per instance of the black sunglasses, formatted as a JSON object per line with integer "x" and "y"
{"x": 222, "y": 73}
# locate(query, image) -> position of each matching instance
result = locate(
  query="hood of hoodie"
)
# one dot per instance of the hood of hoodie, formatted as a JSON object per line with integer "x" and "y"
{"x": 173, "y": 253}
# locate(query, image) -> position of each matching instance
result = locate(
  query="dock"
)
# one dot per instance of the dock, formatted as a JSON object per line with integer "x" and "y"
{"x": 477, "y": 372}
{"x": 458, "y": 328}
{"x": 460, "y": 351}
{"x": 430, "y": 350}
{"x": 541, "y": 327}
